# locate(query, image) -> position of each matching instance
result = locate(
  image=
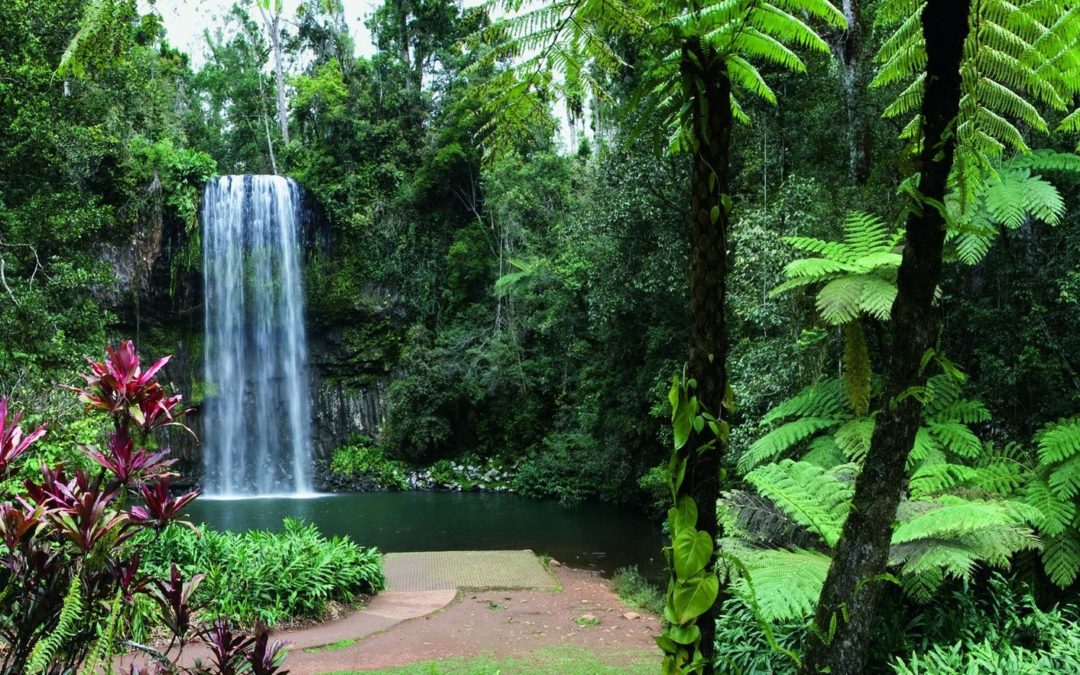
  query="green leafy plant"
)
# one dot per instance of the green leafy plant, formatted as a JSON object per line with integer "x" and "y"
{"x": 265, "y": 578}
{"x": 1054, "y": 489}
{"x": 693, "y": 585}
{"x": 637, "y": 591}
{"x": 364, "y": 458}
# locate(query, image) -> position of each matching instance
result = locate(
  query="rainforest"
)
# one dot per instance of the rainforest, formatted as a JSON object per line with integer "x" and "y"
{"x": 607, "y": 336}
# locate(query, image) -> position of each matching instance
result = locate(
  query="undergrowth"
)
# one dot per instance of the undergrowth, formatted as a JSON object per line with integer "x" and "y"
{"x": 265, "y": 578}
{"x": 637, "y": 591}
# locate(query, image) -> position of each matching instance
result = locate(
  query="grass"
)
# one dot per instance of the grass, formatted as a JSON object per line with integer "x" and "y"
{"x": 332, "y": 647}
{"x": 561, "y": 660}
{"x": 636, "y": 591}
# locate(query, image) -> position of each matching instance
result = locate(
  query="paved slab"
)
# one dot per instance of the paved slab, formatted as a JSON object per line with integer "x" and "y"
{"x": 445, "y": 570}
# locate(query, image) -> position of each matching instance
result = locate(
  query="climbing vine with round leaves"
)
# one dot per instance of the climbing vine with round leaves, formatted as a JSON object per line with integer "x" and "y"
{"x": 693, "y": 584}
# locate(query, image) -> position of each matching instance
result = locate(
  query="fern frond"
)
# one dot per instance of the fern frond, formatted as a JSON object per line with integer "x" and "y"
{"x": 1061, "y": 558}
{"x": 933, "y": 479}
{"x": 950, "y": 517}
{"x": 853, "y": 438}
{"x": 783, "y": 584}
{"x": 102, "y": 652}
{"x": 1059, "y": 440}
{"x": 816, "y": 498}
{"x": 824, "y": 452}
{"x": 952, "y": 535}
{"x": 1056, "y": 511}
{"x": 1065, "y": 478}
{"x": 824, "y": 399}
{"x": 956, "y": 438}
{"x": 782, "y": 439}
{"x": 856, "y": 373}
{"x": 858, "y": 274}
{"x": 44, "y": 652}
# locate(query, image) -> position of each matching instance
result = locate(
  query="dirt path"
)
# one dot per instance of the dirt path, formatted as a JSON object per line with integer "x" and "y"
{"x": 585, "y": 613}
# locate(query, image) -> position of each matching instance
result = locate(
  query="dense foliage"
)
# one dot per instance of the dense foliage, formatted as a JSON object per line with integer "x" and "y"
{"x": 74, "y": 543}
{"x": 519, "y": 287}
{"x": 265, "y": 578}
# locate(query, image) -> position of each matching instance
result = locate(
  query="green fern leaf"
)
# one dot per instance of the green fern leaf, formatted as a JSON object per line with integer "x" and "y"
{"x": 816, "y": 498}
{"x": 856, "y": 368}
{"x": 782, "y": 439}
{"x": 1061, "y": 558}
{"x": 824, "y": 399}
{"x": 784, "y": 585}
{"x": 1059, "y": 441}
{"x": 1056, "y": 512}
{"x": 44, "y": 652}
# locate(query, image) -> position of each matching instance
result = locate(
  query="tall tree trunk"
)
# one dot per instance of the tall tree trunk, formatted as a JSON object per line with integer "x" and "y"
{"x": 847, "y": 47}
{"x": 411, "y": 82}
{"x": 849, "y": 597}
{"x": 705, "y": 73}
{"x": 272, "y": 20}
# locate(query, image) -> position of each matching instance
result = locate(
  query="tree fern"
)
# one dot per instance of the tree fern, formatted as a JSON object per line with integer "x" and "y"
{"x": 564, "y": 48}
{"x": 857, "y": 274}
{"x": 1018, "y": 57}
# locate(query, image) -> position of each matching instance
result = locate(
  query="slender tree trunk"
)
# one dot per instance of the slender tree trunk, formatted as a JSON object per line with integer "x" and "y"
{"x": 272, "y": 20}
{"x": 849, "y": 598}
{"x": 266, "y": 125}
{"x": 403, "y": 46}
{"x": 706, "y": 75}
{"x": 847, "y": 47}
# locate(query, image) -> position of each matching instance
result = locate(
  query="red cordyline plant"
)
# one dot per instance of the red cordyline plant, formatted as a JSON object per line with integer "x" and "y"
{"x": 69, "y": 557}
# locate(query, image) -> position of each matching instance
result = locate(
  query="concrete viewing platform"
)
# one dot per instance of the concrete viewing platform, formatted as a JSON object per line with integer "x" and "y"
{"x": 477, "y": 570}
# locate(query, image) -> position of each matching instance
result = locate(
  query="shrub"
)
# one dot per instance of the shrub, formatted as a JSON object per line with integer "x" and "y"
{"x": 70, "y": 566}
{"x": 265, "y": 578}
{"x": 742, "y": 645}
{"x": 995, "y": 629}
{"x": 363, "y": 458}
{"x": 636, "y": 591}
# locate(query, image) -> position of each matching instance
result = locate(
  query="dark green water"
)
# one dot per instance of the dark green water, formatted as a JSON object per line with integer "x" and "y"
{"x": 593, "y": 536}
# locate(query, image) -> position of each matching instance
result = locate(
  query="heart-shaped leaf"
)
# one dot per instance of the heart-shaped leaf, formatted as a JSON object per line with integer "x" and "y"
{"x": 693, "y": 549}
{"x": 693, "y": 597}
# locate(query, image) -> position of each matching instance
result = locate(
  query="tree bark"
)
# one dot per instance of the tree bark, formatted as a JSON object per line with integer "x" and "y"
{"x": 847, "y": 47}
{"x": 705, "y": 73}
{"x": 849, "y": 597}
{"x": 272, "y": 20}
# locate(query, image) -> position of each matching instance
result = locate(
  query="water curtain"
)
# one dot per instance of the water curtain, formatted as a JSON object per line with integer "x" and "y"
{"x": 257, "y": 403}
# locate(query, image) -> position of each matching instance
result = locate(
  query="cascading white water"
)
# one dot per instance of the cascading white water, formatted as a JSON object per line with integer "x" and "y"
{"x": 258, "y": 407}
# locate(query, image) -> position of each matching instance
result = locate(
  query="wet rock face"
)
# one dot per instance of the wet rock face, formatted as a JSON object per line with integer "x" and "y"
{"x": 341, "y": 410}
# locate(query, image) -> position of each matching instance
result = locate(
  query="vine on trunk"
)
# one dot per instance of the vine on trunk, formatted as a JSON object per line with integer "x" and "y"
{"x": 692, "y": 585}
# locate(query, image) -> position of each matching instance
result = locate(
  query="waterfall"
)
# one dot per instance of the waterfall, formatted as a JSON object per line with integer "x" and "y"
{"x": 257, "y": 403}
